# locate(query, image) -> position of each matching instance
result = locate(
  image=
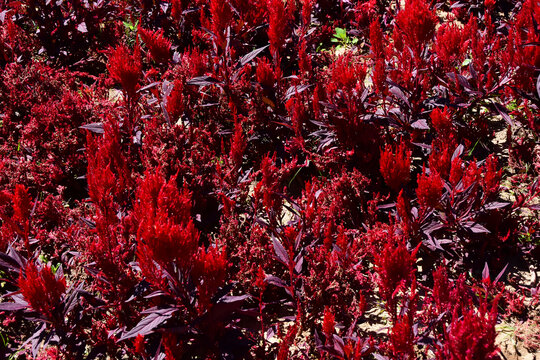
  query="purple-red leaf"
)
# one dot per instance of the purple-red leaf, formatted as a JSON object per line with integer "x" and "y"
{"x": 147, "y": 325}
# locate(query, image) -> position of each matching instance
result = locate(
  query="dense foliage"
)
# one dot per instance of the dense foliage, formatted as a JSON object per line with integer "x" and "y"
{"x": 268, "y": 179}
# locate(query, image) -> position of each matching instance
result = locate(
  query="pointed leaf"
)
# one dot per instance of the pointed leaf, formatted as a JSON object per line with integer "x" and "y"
{"x": 420, "y": 124}
{"x": 148, "y": 324}
{"x": 202, "y": 81}
{"x": 281, "y": 253}
{"x": 11, "y": 306}
{"x": 485, "y": 272}
{"x": 252, "y": 55}
{"x": 94, "y": 127}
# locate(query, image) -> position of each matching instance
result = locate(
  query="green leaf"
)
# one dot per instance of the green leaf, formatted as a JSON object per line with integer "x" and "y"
{"x": 341, "y": 33}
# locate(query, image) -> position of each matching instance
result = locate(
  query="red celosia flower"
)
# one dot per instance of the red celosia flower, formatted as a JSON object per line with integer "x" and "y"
{"x": 441, "y": 156}
{"x": 41, "y": 288}
{"x": 277, "y": 25}
{"x": 402, "y": 338}
{"x": 472, "y": 175}
{"x": 22, "y": 204}
{"x": 126, "y": 68}
{"x": 238, "y": 144}
{"x": 328, "y": 323}
{"x": 283, "y": 353}
{"x": 376, "y": 39}
{"x": 221, "y": 18}
{"x": 429, "y": 189}
{"x": 441, "y": 290}
{"x": 266, "y": 74}
{"x": 307, "y": 6}
{"x": 492, "y": 176}
{"x": 166, "y": 231}
{"x": 346, "y": 73}
{"x": 139, "y": 345}
{"x": 210, "y": 271}
{"x": 176, "y": 9}
{"x": 403, "y": 207}
{"x": 304, "y": 59}
{"x": 175, "y": 101}
{"x": 379, "y": 76}
{"x": 442, "y": 121}
{"x": 395, "y": 266}
{"x": 417, "y": 23}
{"x": 456, "y": 172}
{"x": 157, "y": 43}
{"x": 449, "y": 44}
{"x": 471, "y": 336}
{"x": 395, "y": 165}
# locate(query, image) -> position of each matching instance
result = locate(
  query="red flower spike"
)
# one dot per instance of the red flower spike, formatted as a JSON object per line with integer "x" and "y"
{"x": 328, "y": 322}
{"x": 277, "y": 20}
{"x": 449, "y": 44}
{"x": 139, "y": 344}
{"x": 471, "y": 336}
{"x": 41, "y": 289}
{"x": 286, "y": 343}
{"x": 492, "y": 175}
{"x": 442, "y": 121}
{"x": 126, "y": 68}
{"x": 441, "y": 157}
{"x": 210, "y": 271}
{"x": 22, "y": 204}
{"x": 222, "y": 17}
{"x": 376, "y": 39}
{"x": 158, "y": 45}
{"x": 456, "y": 171}
{"x": 429, "y": 189}
{"x": 417, "y": 24}
{"x": 395, "y": 165}
{"x": 175, "y": 101}
{"x": 402, "y": 338}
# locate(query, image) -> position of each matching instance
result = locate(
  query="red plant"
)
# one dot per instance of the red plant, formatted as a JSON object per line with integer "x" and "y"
{"x": 429, "y": 189}
{"x": 417, "y": 24}
{"x": 125, "y": 67}
{"x": 41, "y": 288}
{"x": 158, "y": 45}
{"x": 471, "y": 336}
{"x": 395, "y": 165}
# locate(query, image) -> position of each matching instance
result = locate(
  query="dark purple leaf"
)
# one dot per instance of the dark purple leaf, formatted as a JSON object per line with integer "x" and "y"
{"x": 94, "y": 127}
{"x": 462, "y": 80}
{"x": 496, "y": 205}
{"x": 500, "y": 274}
{"x": 399, "y": 94}
{"x": 147, "y": 325}
{"x": 149, "y": 86}
{"x": 281, "y": 253}
{"x": 458, "y": 151}
{"x": 485, "y": 272}
{"x": 420, "y": 124}
{"x": 338, "y": 345}
{"x": 295, "y": 89}
{"x": 274, "y": 280}
{"x": 299, "y": 262}
{"x": 538, "y": 86}
{"x": 252, "y": 55}
{"x": 504, "y": 113}
{"x": 475, "y": 227}
{"x": 231, "y": 298}
{"x": 203, "y": 81}
{"x": 11, "y": 306}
